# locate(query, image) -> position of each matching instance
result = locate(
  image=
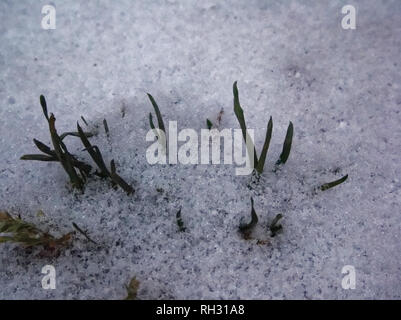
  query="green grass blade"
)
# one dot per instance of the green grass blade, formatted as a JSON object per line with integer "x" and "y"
{"x": 106, "y": 128}
{"x": 158, "y": 114}
{"x": 44, "y": 106}
{"x": 333, "y": 183}
{"x": 74, "y": 134}
{"x": 180, "y": 223}
{"x": 152, "y": 125}
{"x": 262, "y": 159}
{"x": 38, "y": 157}
{"x": 118, "y": 180}
{"x": 239, "y": 113}
{"x": 63, "y": 155}
{"x": 287, "y": 145}
{"x": 274, "y": 226}
{"x": 209, "y": 124}
{"x": 44, "y": 148}
{"x": 94, "y": 152}
{"x": 254, "y": 220}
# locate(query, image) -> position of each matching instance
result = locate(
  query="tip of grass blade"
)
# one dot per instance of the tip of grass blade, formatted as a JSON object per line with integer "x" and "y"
{"x": 84, "y": 120}
{"x": 262, "y": 159}
{"x": 44, "y": 106}
{"x": 157, "y": 111}
{"x": 209, "y": 124}
{"x": 106, "y": 127}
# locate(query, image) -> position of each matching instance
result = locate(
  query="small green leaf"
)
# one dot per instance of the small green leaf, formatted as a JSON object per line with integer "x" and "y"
{"x": 209, "y": 124}
{"x": 246, "y": 228}
{"x": 74, "y": 134}
{"x": 152, "y": 125}
{"x": 180, "y": 223}
{"x": 274, "y": 227}
{"x": 287, "y": 145}
{"x": 118, "y": 180}
{"x": 106, "y": 128}
{"x": 158, "y": 114}
{"x": 333, "y": 183}
{"x": 63, "y": 155}
{"x": 38, "y": 157}
{"x": 84, "y": 233}
{"x": 239, "y": 113}
{"x": 44, "y": 106}
{"x": 94, "y": 152}
{"x": 44, "y": 148}
{"x": 84, "y": 120}
{"x": 262, "y": 159}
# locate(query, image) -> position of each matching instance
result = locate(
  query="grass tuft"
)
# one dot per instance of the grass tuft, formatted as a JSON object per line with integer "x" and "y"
{"x": 260, "y": 162}
{"x": 18, "y": 231}
{"x": 60, "y": 152}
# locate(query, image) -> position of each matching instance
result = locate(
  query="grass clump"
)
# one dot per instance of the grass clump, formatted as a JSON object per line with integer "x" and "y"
{"x": 259, "y": 162}
{"x": 60, "y": 152}
{"x": 18, "y": 231}
{"x": 77, "y": 170}
{"x": 247, "y": 228}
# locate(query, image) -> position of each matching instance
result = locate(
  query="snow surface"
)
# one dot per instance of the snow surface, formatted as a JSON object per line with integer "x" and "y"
{"x": 292, "y": 60}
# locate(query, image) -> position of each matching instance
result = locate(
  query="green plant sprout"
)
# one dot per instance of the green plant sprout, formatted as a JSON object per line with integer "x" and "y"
{"x": 209, "y": 124}
{"x": 246, "y": 228}
{"x": 161, "y": 136}
{"x": 97, "y": 157}
{"x": 180, "y": 223}
{"x": 332, "y": 184}
{"x": 60, "y": 152}
{"x": 274, "y": 227}
{"x": 260, "y": 162}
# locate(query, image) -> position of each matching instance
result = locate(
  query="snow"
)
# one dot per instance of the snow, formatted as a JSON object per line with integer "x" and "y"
{"x": 293, "y": 61}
